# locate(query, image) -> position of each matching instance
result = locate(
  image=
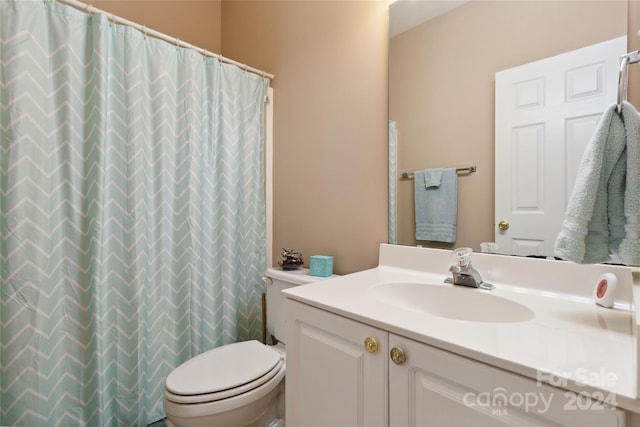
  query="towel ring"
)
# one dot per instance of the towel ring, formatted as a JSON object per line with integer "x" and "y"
{"x": 623, "y": 79}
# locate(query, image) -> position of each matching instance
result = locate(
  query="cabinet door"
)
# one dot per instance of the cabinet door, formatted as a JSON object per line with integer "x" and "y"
{"x": 436, "y": 388}
{"x": 332, "y": 379}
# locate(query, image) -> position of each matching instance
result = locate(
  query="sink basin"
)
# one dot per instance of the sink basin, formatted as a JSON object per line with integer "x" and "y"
{"x": 453, "y": 302}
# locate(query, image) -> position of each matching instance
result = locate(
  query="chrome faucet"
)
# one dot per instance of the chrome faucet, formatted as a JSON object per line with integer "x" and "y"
{"x": 463, "y": 272}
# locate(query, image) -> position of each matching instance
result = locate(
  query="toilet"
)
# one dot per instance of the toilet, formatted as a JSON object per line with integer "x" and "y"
{"x": 239, "y": 384}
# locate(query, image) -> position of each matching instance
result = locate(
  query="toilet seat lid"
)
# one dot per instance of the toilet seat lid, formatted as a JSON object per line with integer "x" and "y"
{"x": 222, "y": 368}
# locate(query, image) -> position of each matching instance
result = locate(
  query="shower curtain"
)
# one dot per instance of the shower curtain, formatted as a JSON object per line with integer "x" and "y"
{"x": 132, "y": 214}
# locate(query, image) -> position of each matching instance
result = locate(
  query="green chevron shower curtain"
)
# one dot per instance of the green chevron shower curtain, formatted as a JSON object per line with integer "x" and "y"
{"x": 132, "y": 232}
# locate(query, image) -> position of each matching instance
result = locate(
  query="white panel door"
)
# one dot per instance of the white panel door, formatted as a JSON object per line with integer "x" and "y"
{"x": 546, "y": 112}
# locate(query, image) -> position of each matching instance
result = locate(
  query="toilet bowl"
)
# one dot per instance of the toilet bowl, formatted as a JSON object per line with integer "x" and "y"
{"x": 232, "y": 385}
{"x": 239, "y": 384}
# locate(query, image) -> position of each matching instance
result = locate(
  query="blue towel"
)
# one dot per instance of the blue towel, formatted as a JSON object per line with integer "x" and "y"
{"x": 605, "y": 202}
{"x": 432, "y": 178}
{"x": 436, "y": 205}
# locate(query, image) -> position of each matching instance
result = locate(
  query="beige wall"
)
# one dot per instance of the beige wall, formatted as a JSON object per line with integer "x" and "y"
{"x": 194, "y": 21}
{"x": 442, "y": 86}
{"x": 330, "y": 156}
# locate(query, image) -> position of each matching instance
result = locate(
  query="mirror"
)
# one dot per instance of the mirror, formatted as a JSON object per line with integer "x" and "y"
{"x": 442, "y": 91}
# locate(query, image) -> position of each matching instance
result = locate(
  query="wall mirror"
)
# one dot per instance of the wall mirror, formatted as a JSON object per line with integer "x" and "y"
{"x": 442, "y": 92}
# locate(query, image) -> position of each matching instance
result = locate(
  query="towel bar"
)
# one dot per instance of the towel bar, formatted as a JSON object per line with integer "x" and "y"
{"x": 623, "y": 76}
{"x": 469, "y": 169}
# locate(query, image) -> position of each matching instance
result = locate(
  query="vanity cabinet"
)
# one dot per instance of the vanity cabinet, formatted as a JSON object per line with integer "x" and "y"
{"x": 434, "y": 387}
{"x": 332, "y": 379}
{"x": 341, "y": 372}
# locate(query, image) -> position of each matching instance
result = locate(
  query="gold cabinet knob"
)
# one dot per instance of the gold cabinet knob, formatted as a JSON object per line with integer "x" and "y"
{"x": 503, "y": 225}
{"x": 397, "y": 356}
{"x": 370, "y": 344}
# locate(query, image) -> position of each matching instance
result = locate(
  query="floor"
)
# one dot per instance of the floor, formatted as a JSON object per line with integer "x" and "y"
{"x": 161, "y": 423}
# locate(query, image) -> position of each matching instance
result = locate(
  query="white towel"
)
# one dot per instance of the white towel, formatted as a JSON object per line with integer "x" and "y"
{"x": 436, "y": 205}
{"x": 595, "y": 221}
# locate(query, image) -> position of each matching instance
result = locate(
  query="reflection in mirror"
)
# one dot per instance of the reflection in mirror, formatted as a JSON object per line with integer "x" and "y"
{"x": 545, "y": 114}
{"x": 442, "y": 92}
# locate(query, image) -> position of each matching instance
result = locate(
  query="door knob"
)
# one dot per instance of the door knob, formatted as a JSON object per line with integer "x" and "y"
{"x": 503, "y": 225}
{"x": 371, "y": 345}
{"x": 397, "y": 355}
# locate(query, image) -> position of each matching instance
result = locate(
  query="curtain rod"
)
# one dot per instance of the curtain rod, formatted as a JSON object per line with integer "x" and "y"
{"x": 89, "y": 9}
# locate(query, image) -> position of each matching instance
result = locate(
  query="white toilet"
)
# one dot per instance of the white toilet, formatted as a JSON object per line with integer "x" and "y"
{"x": 240, "y": 384}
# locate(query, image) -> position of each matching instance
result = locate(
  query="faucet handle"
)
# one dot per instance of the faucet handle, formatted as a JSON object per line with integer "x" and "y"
{"x": 463, "y": 256}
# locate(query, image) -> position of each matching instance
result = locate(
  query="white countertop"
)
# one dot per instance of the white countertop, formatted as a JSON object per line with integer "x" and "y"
{"x": 571, "y": 342}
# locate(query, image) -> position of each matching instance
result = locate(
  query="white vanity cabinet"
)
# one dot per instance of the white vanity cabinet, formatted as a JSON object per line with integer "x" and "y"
{"x": 341, "y": 372}
{"x": 332, "y": 380}
{"x": 433, "y": 387}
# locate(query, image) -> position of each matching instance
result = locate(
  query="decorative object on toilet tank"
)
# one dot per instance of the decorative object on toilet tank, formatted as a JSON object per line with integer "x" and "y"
{"x": 321, "y": 265}
{"x": 290, "y": 259}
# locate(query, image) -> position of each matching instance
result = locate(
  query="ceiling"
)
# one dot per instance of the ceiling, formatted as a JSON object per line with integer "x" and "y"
{"x": 406, "y": 14}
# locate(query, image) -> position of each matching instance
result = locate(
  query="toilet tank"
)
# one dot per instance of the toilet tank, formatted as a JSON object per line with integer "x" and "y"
{"x": 279, "y": 280}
